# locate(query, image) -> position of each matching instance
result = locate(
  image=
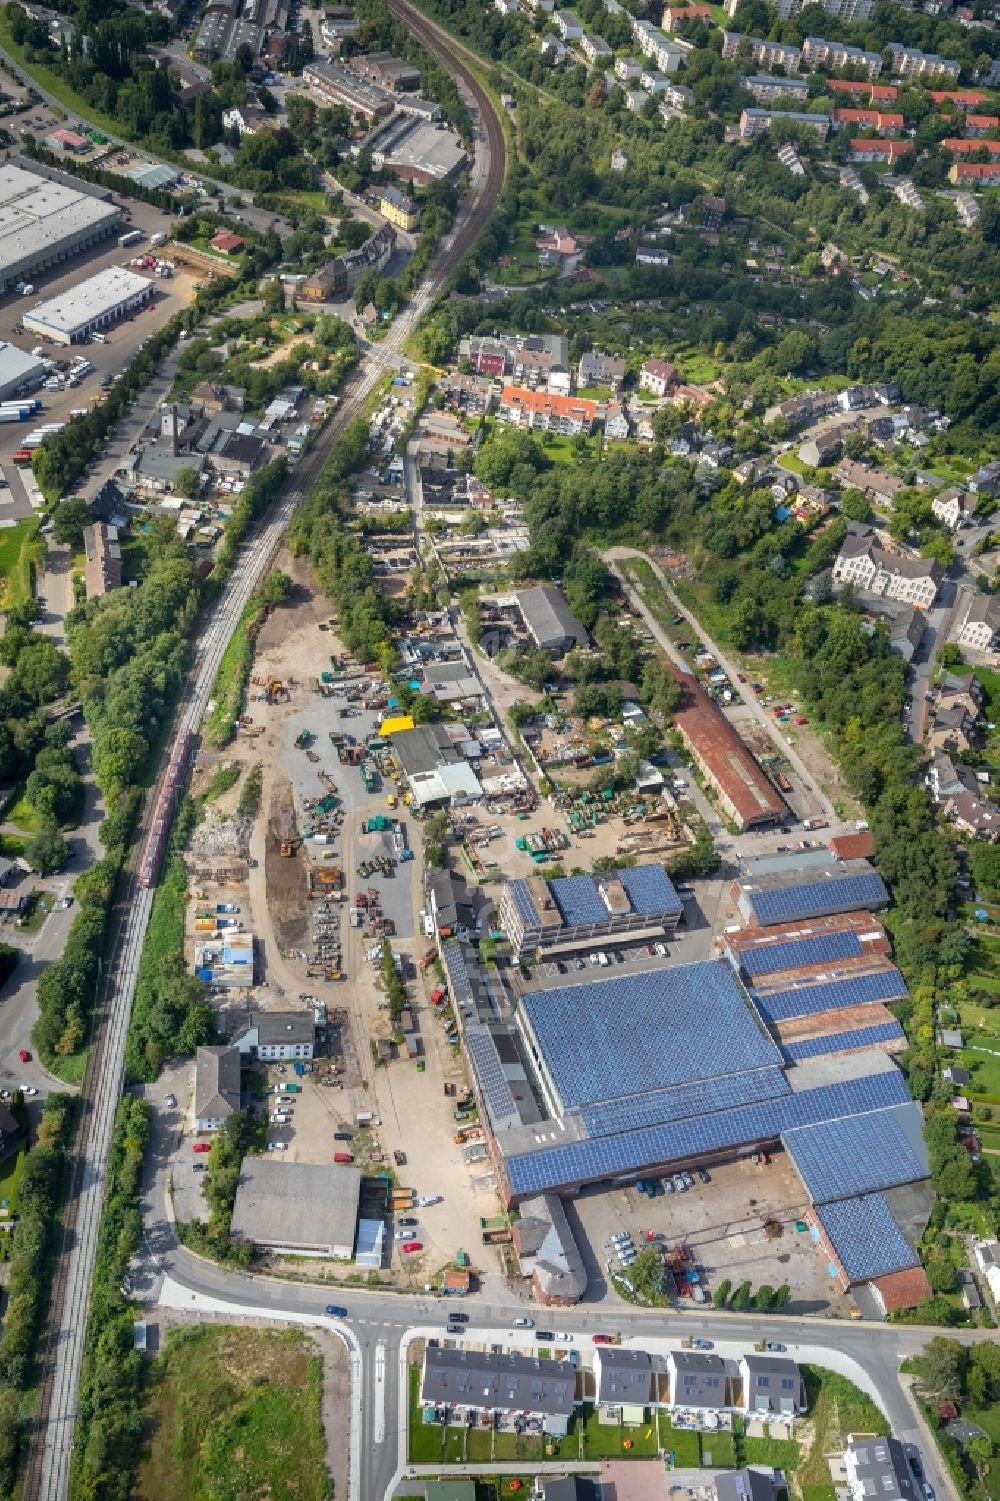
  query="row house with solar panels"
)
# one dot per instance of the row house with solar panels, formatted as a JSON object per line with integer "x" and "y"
{"x": 553, "y": 918}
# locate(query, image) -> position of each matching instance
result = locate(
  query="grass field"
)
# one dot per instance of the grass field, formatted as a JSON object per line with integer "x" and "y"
{"x": 23, "y": 816}
{"x": 234, "y": 1414}
{"x": 20, "y": 546}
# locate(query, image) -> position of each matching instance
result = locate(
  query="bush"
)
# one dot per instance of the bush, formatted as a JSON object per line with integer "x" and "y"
{"x": 721, "y": 1295}
{"x": 741, "y": 1298}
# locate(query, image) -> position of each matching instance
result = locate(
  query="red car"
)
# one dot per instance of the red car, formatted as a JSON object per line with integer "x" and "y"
{"x": 741, "y": 677}
{"x": 202, "y": 1146}
{"x": 24, "y": 1055}
{"x": 602, "y": 1339}
{"x": 412, "y": 1245}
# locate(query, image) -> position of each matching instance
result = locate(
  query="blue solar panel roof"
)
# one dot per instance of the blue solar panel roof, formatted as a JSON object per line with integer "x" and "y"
{"x": 650, "y": 889}
{"x": 626, "y": 1036}
{"x": 838, "y": 1042}
{"x": 493, "y": 1083}
{"x": 821, "y": 949}
{"x": 831, "y": 995}
{"x": 538, "y": 1172}
{"x": 818, "y": 898}
{"x": 684, "y": 1101}
{"x": 522, "y": 901}
{"x": 865, "y": 1237}
{"x": 579, "y": 901}
{"x": 839, "y": 1159}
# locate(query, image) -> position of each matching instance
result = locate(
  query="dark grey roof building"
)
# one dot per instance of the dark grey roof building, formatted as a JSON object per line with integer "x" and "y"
{"x": 624, "y": 1377}
{"x": 745, "y": 1485}
{"x": 549, "y": 620}
{"x": 772, "y": 1385}
{"x": 216, "y": 1086}
{"x": 877, "y": 1467}
{"x": 697, "y": 1380}
{"x": 544, "y": 1389}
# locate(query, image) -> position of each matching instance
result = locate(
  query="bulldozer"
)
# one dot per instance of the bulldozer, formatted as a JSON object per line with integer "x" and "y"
{"x": 288, "y": 847}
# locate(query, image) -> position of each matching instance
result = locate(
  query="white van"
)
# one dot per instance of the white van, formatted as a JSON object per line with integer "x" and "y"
{"x": 99, "y": 338}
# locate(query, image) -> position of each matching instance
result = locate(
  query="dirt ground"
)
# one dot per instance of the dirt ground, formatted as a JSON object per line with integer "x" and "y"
{"x": 723, "y": 1223}
{"x": 286, "y": 877}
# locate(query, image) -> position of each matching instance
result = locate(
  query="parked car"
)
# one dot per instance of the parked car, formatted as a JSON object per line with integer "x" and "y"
{"x": 455, "y": 1329}
{"x": 409, "y": 1246}
{"x": 775, "y": 1346}
{"x": 701, "y": 1344}
{"x": 334, "y": 1311}
{"x": 546, "y": 1334}
{"x": 277, "y": 1146}
{"x": 24, "y": 1055}
{"x": 602, "y": 1339}
{"x": 343, "y": 1135}
{"x": 202, "y": 1146}
{"x": 29, "y": 1090}
{"x": 170, "y": 1100}
{"x": 459, "y": 1318}
{"x": 198, "y": 1167}
{"x": 408, "y": 1222}
{"x": 705, "y": 1177}
{"x": 524, "y": 1323}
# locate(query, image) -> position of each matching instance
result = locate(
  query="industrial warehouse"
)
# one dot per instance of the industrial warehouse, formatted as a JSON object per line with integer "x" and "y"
{"x": 90, "y": 306}
{"x": 44, "y": 222}
{"x": 784, "y": 1041}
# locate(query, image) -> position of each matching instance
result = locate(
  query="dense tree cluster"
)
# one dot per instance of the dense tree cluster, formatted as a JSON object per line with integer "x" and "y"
{"x": 34, "y": 1242}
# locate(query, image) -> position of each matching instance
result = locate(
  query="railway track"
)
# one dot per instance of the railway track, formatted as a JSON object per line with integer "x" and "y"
{"x": 47, "y": 1473}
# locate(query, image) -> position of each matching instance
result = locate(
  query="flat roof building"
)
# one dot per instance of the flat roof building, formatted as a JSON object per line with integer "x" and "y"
{"x": 278, "y": 1035}
{"x": 573, "y": 912}
{"x": 851, "y": 886}
{"x": 418, "y": 151}
{"x": 299, "y": 1208}
{"x": 338, "y": 86}
{"x": 93, "y": 304}
{"x": 741, "y": 785}
{"x": 19, "y": 372}
{"x": 44, "y": 222}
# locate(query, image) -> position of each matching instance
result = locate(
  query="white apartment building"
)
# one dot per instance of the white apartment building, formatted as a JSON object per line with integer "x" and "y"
{"x": 910, "y": 62}
{"x": 866, "y": 565}
{"x": 981, "y": 626}
{"x": 819, "y": 53}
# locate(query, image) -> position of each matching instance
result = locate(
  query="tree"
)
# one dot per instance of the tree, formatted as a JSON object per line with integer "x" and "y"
{"x": 980, "y": 1451}
{"x": 187, "y": 482}
{"x": 721, "y": 1295}
{"x": 939, "y": 1369}
{"x": 69, "y": 520}
{"x": 277, "y": 588}
{"x": 982, "y": 1378}
{"x": 46, "y": 851}
{"x": 646, "y": 1274}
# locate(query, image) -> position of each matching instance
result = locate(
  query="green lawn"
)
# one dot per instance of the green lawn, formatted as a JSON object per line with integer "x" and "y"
{"x": 23, "y": 816}
{"x": 609, "y": 1440}
{"x": 686, "y": 1445}
{"x": 235, "y": 1413}
{"x": 20, "y": 545}
{"x": 10, "y": 1171}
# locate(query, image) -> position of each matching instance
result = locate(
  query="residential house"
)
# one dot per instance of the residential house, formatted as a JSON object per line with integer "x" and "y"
{"x": 757, "y": 122}
{"x": 627, "y": 69}
{"x": 870, "y": 149}
{"x": 595, "y": 49}
{"x": 697, "y": 1381}
{"x": 906, "y": 632}
{"x": 766, "y": 89}
{"x": 110, "y": 504}
{"x": 975, "y": 174}
{"x": 866, "y": 565}
{"x": 599, "y": 369}
{"x": 103, "y": 554}
{"x": 887, "y": 122}
{"x": 676, "y": 15}
{"x": 567, "y": 25}
{"x": 624, "y": 1384}
{"x": 652, "y": 82}
{"x": 541, "y": 411}
{"x": 765, "y": 54}
{"x": 826, "y": 445}
{"x": 547, "y": 1252}
{"x": 981, "y": 627}
{"x": 216, "y": 1086}
{"x": 457, "y": 909}
{"x": 974, "y": 816}
{"x": 226, "y": 242}
{"x": 835, "y": 56}
{"x": 789, "y": 157}
{"x": 214, "y": 397}
{"x": 399, "y": 208}
{"x": 745, "y": 1485}
{"x": 616, "y": 423}
{"x": 987, "y": 1254}
{"x": 464, "y": 1381}
{"x": 872, "y": 93}
{"x": 955, "y": 507}
{"x": 636, "y": 100}
{"x": 659, "y": 377}
{"x": 772, "y": 1387}
{"x": 878, "y": 1467}
{"x": 798, "y": 410}
{"x": 910, "y": 62}
{"x": 553, "y": 50}
{"x": 959, "y": 146}
{"x": 875, "y": 484}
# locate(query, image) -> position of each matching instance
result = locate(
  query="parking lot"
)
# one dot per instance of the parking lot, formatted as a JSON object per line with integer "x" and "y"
{"x": 740, "y": 1225}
